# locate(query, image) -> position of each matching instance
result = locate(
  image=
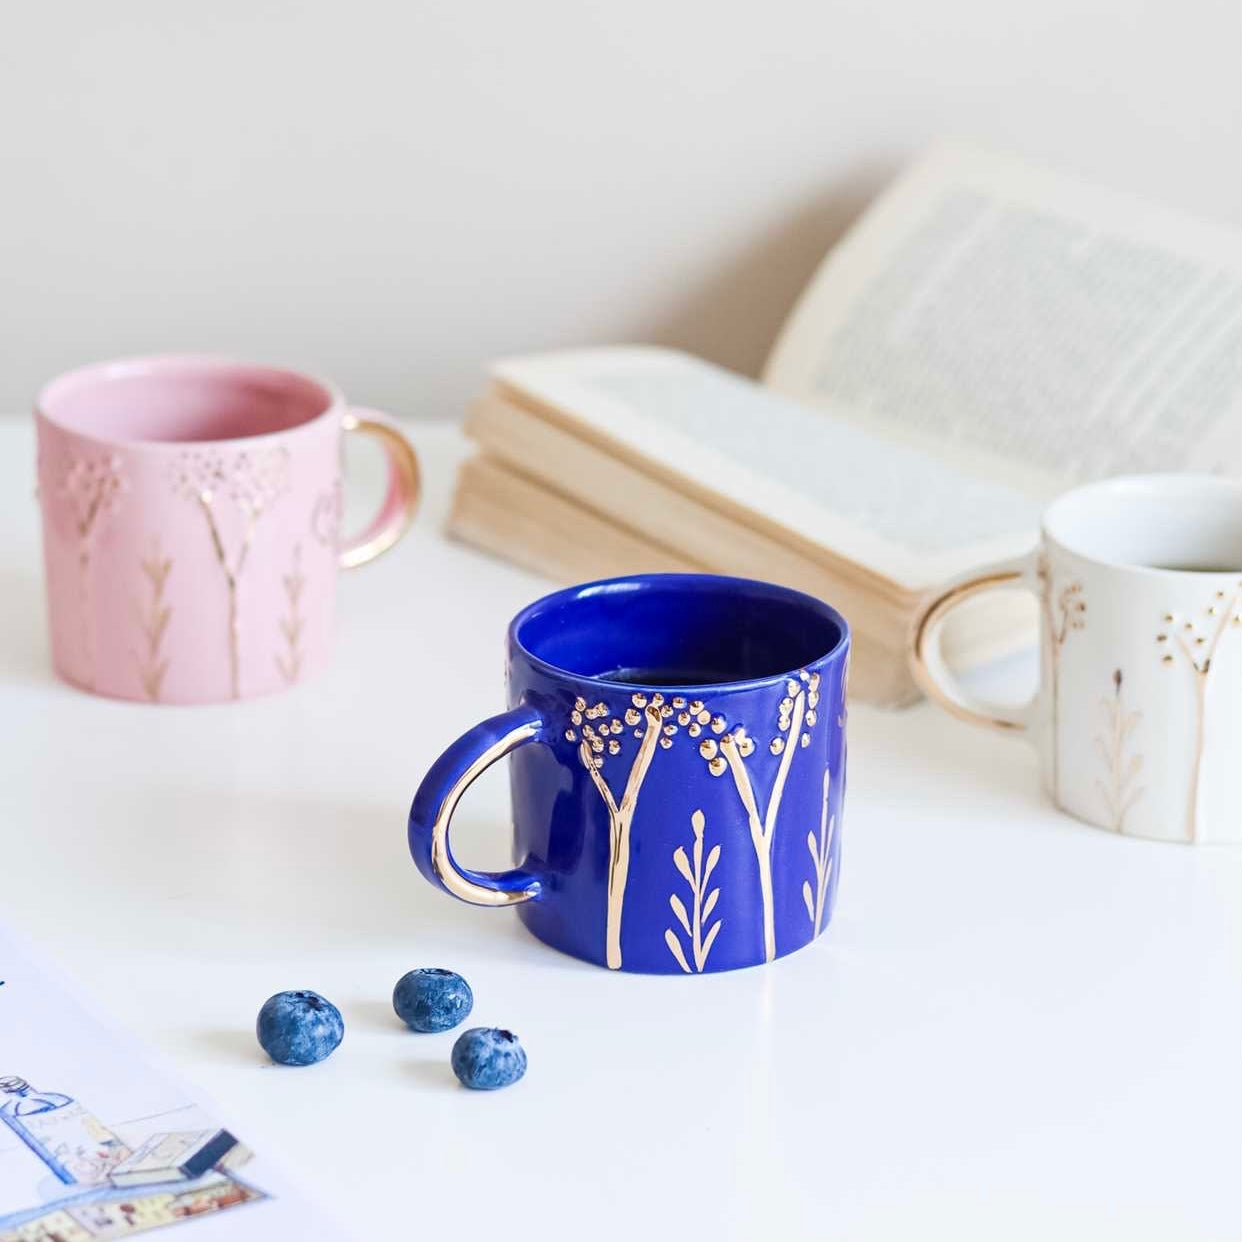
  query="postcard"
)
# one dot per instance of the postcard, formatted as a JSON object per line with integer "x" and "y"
{"x": 97, "y": 1141}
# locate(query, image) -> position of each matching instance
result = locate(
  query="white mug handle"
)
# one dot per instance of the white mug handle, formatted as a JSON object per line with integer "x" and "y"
{"x": 927, "y": 663}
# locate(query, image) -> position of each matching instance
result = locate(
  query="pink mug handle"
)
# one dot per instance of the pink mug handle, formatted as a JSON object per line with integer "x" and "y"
{"x": 400, "y": 500}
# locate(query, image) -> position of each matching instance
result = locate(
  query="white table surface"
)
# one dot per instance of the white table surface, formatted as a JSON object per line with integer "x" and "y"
{"x": 1016, "y": 1026}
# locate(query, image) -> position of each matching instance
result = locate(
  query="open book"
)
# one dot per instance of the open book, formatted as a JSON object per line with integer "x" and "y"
{"x": 985, "y": 335}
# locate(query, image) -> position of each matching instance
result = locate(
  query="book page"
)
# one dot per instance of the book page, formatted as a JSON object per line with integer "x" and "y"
{"x": 986, "y": 335}
{"x": 1026, "y": 327}
{"x": 882, "y": 505}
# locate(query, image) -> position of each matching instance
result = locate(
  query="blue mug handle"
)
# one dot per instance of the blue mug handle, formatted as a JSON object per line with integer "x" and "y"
{"x": 437, "y": 798}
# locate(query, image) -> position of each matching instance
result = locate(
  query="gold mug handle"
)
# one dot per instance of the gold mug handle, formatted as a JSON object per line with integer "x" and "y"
{"x": 927, "y": 663}
{"x": 401, "y": 497}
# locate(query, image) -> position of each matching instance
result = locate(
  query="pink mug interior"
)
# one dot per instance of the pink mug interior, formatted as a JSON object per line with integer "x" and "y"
{"x": 182, "y": 400}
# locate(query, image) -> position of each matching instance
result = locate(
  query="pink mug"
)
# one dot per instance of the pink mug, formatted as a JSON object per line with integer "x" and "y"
{"x": 191, "y": 524}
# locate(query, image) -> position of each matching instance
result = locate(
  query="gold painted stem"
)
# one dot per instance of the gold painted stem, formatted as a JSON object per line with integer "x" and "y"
{"x": 761, "y": 844}
{"x": 696, "y": 924}
{"x": 823, "y": 869}
{"x": 782, "y": 772}
{"x": 234, "y": 641}
{"x": 84, "y": 610}
{"x": 696, "y": 938}
{"x": 289, "y": 664}
{"x": 618, "y": 877}
{"x": 745, "y": 791}
{"x": 1056, "y": 640}
{"x": 1201, "y": 670}
{"x": 1196, "y": 769}
{"x": 1056, "y": 724}
{"x": 1116, "y": 797}
{"x": 231, "y": 576}
{"x": 620, "y": 816}
{"x": 153, "y": 618}
{"x": 86, "y": 523}
{"x": 601, "y": 785}
{"x": 762, "y": 829}
{"x": 697, "y": 875}
{"x": 764, "y": 858}
{"x": 86, "y": 532}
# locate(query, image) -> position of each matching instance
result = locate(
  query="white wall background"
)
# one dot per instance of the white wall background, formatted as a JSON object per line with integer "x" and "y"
{"x": 391, "y": 191}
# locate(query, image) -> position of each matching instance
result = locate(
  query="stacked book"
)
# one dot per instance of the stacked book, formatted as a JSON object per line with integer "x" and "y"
{"x": 978, "y": 341}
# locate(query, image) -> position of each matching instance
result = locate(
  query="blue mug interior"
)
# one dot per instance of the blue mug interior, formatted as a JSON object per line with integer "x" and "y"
{"x": 678, "y": 630}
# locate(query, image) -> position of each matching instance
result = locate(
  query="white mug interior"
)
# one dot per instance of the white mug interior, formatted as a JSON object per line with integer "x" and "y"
{"x": 1170, "y": 522}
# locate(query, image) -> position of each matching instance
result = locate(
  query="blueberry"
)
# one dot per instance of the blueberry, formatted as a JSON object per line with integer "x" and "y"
{"x": 431, "y": 999}
{"x": 485, "y": 1058}
{"x": 299, "y": 1028}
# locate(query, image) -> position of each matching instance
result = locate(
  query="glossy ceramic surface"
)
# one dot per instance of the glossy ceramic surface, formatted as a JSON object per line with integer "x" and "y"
{"x": 1138, "y": 717}
{"x": 191, "y": 525}
{"x": 662, "y": 827}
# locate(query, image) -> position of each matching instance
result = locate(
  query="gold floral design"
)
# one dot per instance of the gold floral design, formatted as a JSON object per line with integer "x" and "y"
{"x": 327, "y": 515}
{"x": 91, "y": 487}
{"x": 1064, "y": 612}
{"x": 698, "y": 876}
{"x": 1118, "y": 789}
{"x": 601, "y": 737}
{"x": 821, "y": 861}
{"x": 728, "y": 751}
{"x": 248, "y": 480}
{"x": 290, "y": 661}
{"x": 1198, "y": 643}
{"x": 154, "y": 616}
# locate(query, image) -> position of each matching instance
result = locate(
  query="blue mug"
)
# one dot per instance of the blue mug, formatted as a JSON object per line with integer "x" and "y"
{"x": 677, "y": 768}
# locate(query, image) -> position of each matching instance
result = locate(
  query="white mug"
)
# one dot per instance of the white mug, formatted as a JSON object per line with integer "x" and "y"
{"x": 1138, "y": 717}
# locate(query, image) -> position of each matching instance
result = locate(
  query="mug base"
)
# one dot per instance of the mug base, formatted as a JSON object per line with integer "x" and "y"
{"x": 136, "y": 694}
{"x": 1178, "y": 836}
{"x": 647, "y": 965}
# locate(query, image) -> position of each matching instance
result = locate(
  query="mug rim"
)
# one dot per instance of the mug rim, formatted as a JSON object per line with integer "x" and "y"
{"x": 639, "y": 582}
{"x": 1136, "y": 484}
{"x": 149, "y": 364}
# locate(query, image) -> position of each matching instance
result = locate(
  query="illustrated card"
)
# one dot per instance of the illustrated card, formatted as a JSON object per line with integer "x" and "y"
{"x": 97, "y": 1142}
